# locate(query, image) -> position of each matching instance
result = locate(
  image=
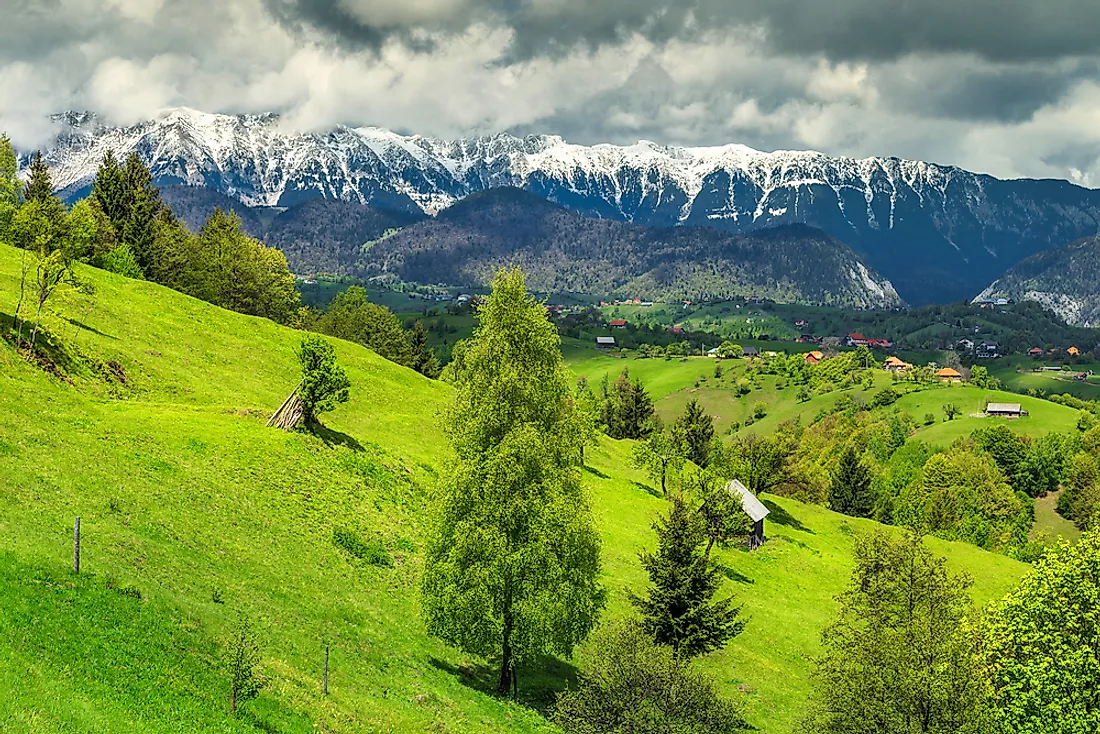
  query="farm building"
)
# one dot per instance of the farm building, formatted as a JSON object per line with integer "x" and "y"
{"x": 814, "y": 357}
{"x": 605, "y": 342}
{"x": 754, "y": 508}
{"x": 617, "y": 323}
{"x": 893, "y": 364}
{"x": 949, "y": 375}
{"x": 1073, "y": 352}
{"x": 1035, "y": 352}
{"x": 1005, "y": 410}
{"x": 750, "y": 352}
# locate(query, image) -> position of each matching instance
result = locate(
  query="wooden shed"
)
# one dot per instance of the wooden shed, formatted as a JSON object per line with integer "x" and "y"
{"x": 1005, "y": 410}
{"x": 754, "y": 508}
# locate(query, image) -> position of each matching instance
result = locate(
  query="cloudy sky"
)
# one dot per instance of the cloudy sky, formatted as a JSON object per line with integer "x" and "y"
{"x": 1008, "y": 87}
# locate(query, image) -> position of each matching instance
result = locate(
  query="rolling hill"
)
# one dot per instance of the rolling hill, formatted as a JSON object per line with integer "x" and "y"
{"x": 562, "y": 251}
{"x": 193, "y": 513}
{"x": 1065, "y": 280}
{"x": 937, "y": 232}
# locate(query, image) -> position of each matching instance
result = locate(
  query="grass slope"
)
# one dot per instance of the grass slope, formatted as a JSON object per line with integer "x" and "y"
{"x": 193, "y": 512}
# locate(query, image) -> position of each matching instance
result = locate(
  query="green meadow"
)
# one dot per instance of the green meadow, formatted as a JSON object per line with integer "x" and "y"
{"x": 194, "y": 513}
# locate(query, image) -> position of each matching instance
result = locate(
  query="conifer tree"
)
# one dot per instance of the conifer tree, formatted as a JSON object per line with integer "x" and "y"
{"x": 109, "y": 191}
{"x": 424, "y": 360}
{"x": 850, "y": 490}
{"x": 143, "y": 204}
{"x": 40, "y": 185}
{"x": 678, "y": 609}
{"x": 513, "y": 567}
{"x": 696, "y": 428}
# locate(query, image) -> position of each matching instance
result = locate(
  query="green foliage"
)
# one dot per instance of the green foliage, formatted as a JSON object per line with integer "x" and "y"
{"x": 143, "y": 205}
{"x": 724, "y": 519}
{"x": 850, "y": 491}
{"x": 677, "y": 609}
{"x": 661, "y": 457}
{"x": 120, "y": 260}
{"x": 629, "y": 683}
{"x": 902, "y": 655}
{"x": 929, "y": 418}
{"x": 729, "y": 350}
{"x": 324, "y": 383}
{"x": 245, "y": 681}
{"x": 1040, "y": 644}
{"x": 1080, "y": 498}
{"x": 980, "y": 377}
{"x": 759, "y": 409}
{"x": 886, "y": 397}
{"x": 628, "y": 409}
{"x": 760, "y": 462}
{"x": 513, "y": 567}
{"x": 39, "y": 186}
{"x": 11, "y": 187}
{"x": 424, "y": 359}
{"x": 951, "y": 411}
{"x": 351, "y": 316}
{"x": 695, "y": 430}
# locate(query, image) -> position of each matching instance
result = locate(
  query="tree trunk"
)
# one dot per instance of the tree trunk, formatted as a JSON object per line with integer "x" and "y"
{"x": 710, "y": 544}
{"x": 507, "y": 673}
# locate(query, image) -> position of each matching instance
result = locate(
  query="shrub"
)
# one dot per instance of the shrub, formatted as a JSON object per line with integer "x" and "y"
{"x": 371, "y": 551}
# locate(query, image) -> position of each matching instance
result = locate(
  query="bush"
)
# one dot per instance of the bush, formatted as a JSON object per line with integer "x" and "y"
{"x": 888, "y": 396}
{"x": 371, "y": 551}
{"x": 759, "y": 410}
{"x": 929, "y": 418}
{"x": 629, "y": 683}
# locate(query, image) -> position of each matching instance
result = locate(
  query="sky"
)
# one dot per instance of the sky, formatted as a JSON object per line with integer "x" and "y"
{"x": 1007, "y": 87}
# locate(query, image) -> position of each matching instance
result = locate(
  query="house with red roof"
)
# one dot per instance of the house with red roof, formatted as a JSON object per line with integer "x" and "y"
{"x": 617, "y": 323}
{"x": 855, "y": 339}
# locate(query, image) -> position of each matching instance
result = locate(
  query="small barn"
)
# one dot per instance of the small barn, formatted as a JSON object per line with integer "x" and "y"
{"x": 754, "y": 508}
{"x": 1005, "y": 410}
{"x": 949, "y": 375}
{"x": 750, "y": 352}
{"x": 605, "y": 342}
{"x": 814, "y": 357}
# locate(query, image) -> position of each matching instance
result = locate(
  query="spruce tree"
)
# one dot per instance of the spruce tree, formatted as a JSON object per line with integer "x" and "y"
{"x": 678, "y": 609}
{"x": 142, "y": 206}
{"x": 424, "y": 360}
{"x": 850, "y": 490}
{"x": 109, "y": 190}
{"x": 697, "y": 429}
{"x": 39, "y": 185}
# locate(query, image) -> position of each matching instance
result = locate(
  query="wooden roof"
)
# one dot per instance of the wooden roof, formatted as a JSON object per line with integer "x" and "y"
{"x": 948, "y": 372}
{"x": 1004, "y": 408}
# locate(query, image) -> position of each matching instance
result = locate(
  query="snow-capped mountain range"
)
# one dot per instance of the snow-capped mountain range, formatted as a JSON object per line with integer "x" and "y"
{"x": 937, "y": 232}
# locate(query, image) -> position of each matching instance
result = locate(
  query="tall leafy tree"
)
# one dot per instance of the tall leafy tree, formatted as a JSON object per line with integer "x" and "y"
{"x": 39, "y": 183}
{"x": 661, "y": 456}
{"x": 902, "y": 655}
{"x": 11, "y": 188}
{"x": 678, "y": 608}
{"x": 696, "y": 429}
{"x": 1041, "y": 645}
{"x": 850, "y": 490}
{"x": 353, "y": 317}
{"x": 512, "y": 569}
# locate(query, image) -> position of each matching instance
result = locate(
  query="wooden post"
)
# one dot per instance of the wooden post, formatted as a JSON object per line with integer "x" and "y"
{"x": 326, "y": 670}
{"x": 76, "y": 546}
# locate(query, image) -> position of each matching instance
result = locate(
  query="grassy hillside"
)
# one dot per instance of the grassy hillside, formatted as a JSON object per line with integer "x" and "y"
{"x": 193, "y": 512}
{"x": 672, "y": 383}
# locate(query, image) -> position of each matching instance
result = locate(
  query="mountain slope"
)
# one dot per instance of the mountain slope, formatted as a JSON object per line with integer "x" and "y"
{"x": 187, "y": 500}
{"x": 938, "y": 232}
{"x": 326, "y": 236}
{"x": 193, "y": 205}
{"x": 1066, "y": 280}
{"x": 562, "y": 251}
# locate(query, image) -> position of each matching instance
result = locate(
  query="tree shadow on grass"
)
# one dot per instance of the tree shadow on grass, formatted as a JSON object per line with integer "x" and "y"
{"x": 734, "y": 575}
{"x": 652, "y": 491}
{"x": 97, "y": 332}
{"x": 597, "y": 472}
{"x": 335, "y": 438}
{"x": 779, "y": 516}
{"x": 540, "y": 682}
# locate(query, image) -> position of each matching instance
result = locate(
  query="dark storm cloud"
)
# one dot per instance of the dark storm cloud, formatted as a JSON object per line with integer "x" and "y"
{"x": 1001, "y": 30}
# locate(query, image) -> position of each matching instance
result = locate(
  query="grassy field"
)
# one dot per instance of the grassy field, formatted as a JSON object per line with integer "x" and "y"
{"x": 1018, "y": 373}
{"x": 193, "y": 513}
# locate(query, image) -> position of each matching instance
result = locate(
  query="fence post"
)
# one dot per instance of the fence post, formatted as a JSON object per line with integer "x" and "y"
{"x": 76, "y": 546}
{"x": 326, "y": 670}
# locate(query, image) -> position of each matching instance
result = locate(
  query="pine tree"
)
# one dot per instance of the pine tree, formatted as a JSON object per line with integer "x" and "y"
{"x": 850, "y": 490}
{"x": 697, "y": 429}
{"x": 109, "y": 190}
{"x": 424, "y": 360}
{"x": 142, "y": 206}
{"x": 40, "y": 186}
{"x": 677, "y": 609}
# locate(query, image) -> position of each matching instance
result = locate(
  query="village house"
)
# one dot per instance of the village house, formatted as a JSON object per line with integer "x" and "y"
{"x": 893, "y": 364}
{"x": 1005, "y": 410}
{"x": 948, "y": 374}
{"x": 605, "y": 342}
{"x": 855, "y": 339}
{"x": 1035, "y": 352}
{"x": 988, "y": 350}
{"x": 814, "y": 357}
{"x": 965, "y": 345}
{"x": 750, "y": 352}
{"x": 617, "y": 323}
{"x": 1073, "y": 352}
